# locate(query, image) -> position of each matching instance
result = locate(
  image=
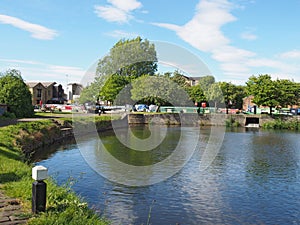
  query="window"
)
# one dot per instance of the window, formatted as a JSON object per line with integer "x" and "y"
{"x": 39, "y": 93}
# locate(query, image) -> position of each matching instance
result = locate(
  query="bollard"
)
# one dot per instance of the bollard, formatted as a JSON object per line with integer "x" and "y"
{"x": 39, "y": 189}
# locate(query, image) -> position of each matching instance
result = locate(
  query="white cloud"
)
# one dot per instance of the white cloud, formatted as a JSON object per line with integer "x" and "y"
{"x": 248, "y": 36}
{"x": 37, "y": 31}
{"x": 231, "y": 54}
{"x": 294, "y": 54}
{"x": 121, "y": 34}
{"x": 118, "y": 10}
{"x": 39, "y": 71}
{"x": 274, "y": 64}
{"x": 19, "y": 61}
{"x": 126, "y": 5}
{"x": 204, "y": 32}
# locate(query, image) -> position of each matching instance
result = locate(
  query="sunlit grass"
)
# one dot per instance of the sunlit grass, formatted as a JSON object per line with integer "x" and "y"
{"x": 63, "y": 206}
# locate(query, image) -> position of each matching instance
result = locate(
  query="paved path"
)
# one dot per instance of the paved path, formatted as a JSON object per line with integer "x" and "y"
{"x": 11, "y": 211}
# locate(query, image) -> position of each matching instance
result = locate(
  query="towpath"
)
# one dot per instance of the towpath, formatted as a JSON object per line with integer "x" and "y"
{"x": 11, "y": 212}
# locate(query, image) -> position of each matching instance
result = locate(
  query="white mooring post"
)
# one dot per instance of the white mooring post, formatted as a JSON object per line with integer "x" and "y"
{"x": 39, "y": 187}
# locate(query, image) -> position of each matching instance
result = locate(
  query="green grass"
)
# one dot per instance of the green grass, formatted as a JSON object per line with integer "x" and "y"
{"x": 280, "y": 124}
{"x": 63, "y": 206}
{"x": 231, "y": 122}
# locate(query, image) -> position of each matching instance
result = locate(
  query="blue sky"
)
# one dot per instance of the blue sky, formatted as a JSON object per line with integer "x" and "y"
{"x": 54, "y": 40}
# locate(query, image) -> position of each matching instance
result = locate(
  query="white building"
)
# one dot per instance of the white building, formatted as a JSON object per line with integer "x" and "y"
{"x": 73, "y": 91}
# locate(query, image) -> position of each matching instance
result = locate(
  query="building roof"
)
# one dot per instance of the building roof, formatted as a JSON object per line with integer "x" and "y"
{"x": 78, "y": 84}
{"x": 45, "y": 84}
{"x": 32, "y": 84}
{"x": 195, "y": 78}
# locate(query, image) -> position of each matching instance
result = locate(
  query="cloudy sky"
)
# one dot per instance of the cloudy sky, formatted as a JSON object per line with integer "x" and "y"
{"x": 54, "y": 40}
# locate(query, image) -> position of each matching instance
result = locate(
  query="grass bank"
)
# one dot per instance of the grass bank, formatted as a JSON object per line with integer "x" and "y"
{"x": 282, "y": 124}
{"x": 63, "y": 206}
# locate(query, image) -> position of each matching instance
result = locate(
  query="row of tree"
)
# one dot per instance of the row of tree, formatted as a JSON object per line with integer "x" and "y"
{"x": 128, "y": 74}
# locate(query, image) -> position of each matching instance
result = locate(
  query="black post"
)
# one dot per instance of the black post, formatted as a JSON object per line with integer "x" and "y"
{"x": 227, "y": 101}
{"x": 39, "y": 196}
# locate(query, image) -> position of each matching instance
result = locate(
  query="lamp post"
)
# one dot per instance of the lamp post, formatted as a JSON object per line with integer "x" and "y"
{"x": 227, "y": 101}
{"x": 39, "y": 188}
{"x": 67, "y": 87}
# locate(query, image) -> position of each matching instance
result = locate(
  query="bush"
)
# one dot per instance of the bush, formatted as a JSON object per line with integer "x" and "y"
{"x": 232, "y": 123}
{"x": 9, "y": 115}
{"x": 280, "y": 124}
{"x": 15, "y": 93}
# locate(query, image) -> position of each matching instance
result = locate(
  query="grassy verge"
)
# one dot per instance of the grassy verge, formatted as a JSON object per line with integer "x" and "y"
{"x": 231, "y": 122}
{"x": 281, "y": 124}
{"x": 63, "y": 206}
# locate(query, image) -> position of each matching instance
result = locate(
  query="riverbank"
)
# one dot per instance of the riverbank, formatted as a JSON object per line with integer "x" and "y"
{"x": 229, "y": 120}
{"x": 63, "y": 206}
{"x": 19, "y": 142}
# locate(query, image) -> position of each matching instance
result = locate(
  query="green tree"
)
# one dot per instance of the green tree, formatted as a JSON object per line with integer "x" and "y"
{"x": 215, "y": 94}
{"x": 287, "y": 92}
{"x": 239, "y": 94}
{"x": 112, "y": 87}
{"x": 206, "y": 82}
{"x": 126, "y": 61}
{"x": 158, "y": 90}
{"x": 180, "y": 79}
{"x": 15, "y": 93}
{"x": 233, "y": 95}
{"x": 89, "y": 93}
{"x": 196, "y": 93}
{"x": 264, "y": 90}
{"x": 133, "y": 58}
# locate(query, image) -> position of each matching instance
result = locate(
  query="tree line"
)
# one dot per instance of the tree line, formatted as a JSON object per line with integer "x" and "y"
{"x": 128, "y": 74}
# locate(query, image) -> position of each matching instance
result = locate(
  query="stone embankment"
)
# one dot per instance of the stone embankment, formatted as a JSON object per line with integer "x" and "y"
{"x": 178, "y": 119}
{"x": 203, "y": 120}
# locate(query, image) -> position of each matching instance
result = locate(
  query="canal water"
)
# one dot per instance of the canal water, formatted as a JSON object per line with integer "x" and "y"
{"x": 253, "y": 179}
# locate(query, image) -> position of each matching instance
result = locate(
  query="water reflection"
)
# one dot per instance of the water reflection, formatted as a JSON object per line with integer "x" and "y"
{"x": 253, "y": 180}
{"x": 157, "y": 152}
{"x": 279, "y": 160}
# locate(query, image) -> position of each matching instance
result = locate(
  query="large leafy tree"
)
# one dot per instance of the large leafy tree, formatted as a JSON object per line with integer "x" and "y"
{"x": 233, "y": 94}
{"x": 158, "y": 90}
{"x": 112, "y": 87}
{"x": 180, "y": 79}
{"x": 239, "y": 94}
{"x": 287, "y": 92}
{"x": 196, "y": 93}
{"x": 215, "y": 94}
{"x": 264, "y": 90}
{"x": 89, "y": 93}
{"x": 133, "y": 58}
{"x": 126, "y": 61}
{"x": 206, "y": 82}
{"x": 15, "y": 93}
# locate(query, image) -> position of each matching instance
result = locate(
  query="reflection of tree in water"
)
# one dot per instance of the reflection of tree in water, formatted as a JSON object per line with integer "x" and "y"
{"x": 272, "y": 157}
{"x": 141, "y": 132}
{"x": 142, "y": 158}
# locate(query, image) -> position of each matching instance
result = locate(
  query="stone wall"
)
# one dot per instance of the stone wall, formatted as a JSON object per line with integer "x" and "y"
{"x": 203, "y": 120}
{"x": 178, "y": 119}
